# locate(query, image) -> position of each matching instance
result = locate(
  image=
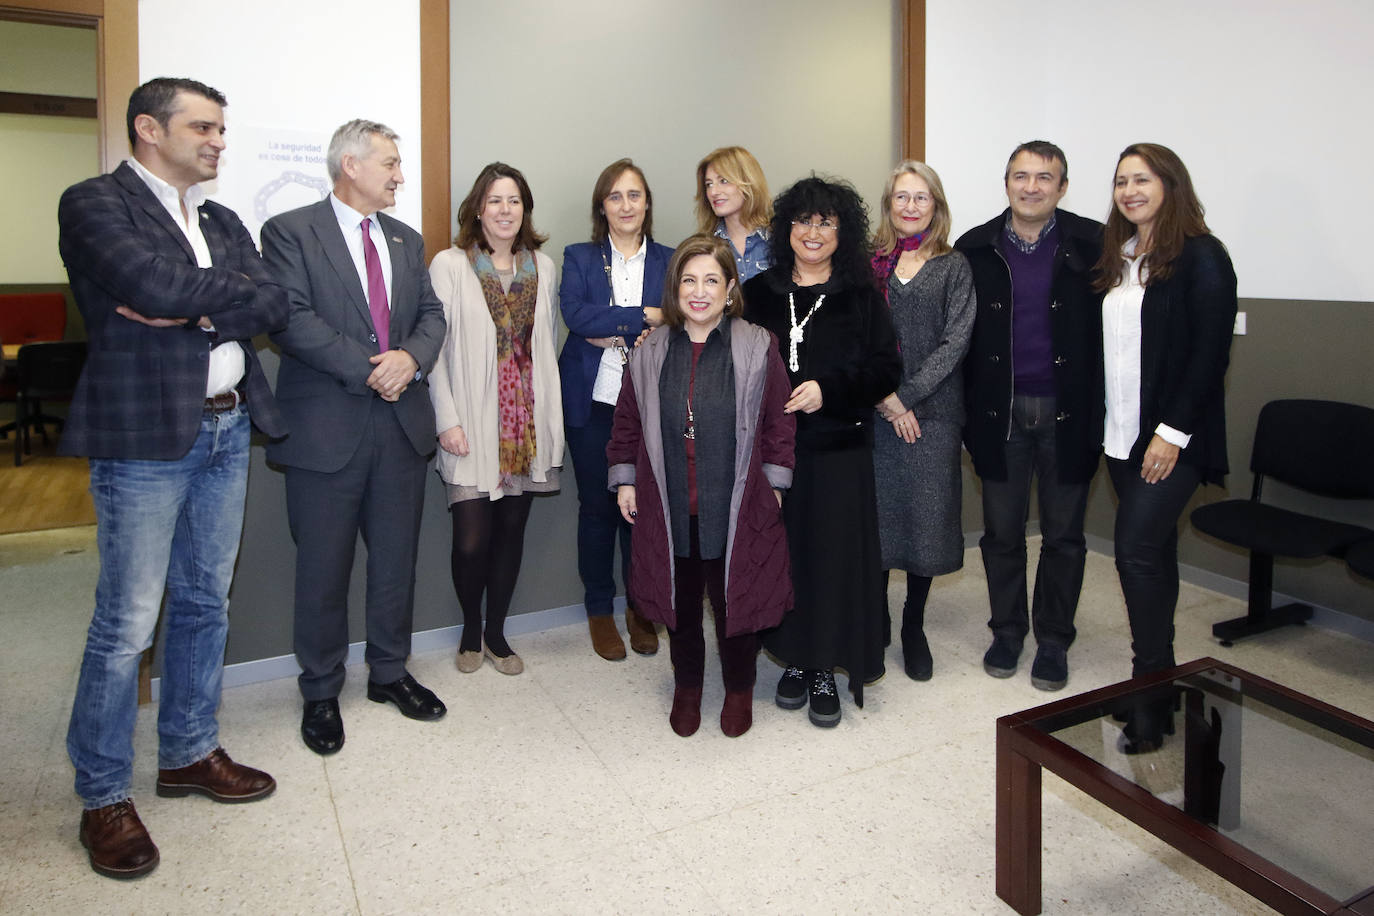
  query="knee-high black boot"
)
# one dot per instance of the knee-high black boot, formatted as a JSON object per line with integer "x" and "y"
{"x": 915, "y": 650}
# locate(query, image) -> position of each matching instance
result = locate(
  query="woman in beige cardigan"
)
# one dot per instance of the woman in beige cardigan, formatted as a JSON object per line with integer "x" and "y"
{"x": 496, "y": 399}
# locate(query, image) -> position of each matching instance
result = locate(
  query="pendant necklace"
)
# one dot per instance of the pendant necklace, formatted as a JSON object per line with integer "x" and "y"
{"x": 798, "y": 330}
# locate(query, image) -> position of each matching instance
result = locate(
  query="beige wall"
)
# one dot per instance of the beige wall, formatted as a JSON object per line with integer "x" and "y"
{"x": 47, "y": 59}
{"x": 41, "y": 155}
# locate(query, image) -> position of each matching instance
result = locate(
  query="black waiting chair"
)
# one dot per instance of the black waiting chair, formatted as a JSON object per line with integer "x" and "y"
{"x": 1323, "y": 447}
{"x": 46, "y": 372}
{"x": 1360, "y": 558}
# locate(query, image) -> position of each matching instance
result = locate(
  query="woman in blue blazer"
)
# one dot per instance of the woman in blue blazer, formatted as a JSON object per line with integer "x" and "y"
{"x": 609, "y": 294}
{"x": 1167, "y": 314}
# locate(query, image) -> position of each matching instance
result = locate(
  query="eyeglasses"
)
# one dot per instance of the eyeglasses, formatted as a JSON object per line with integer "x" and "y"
{"x": 825, "y": 226}
{"x": 902, "y": 198}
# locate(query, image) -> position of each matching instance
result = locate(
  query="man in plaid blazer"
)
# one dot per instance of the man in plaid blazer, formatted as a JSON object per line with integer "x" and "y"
{"x": 172, "y": 291}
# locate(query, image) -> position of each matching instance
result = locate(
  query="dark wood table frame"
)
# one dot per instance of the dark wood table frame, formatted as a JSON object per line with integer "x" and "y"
{"x": 1024, "y": 747}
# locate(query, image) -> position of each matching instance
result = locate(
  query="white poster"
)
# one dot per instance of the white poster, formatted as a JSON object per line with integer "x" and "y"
{"x": 266, "y": 171}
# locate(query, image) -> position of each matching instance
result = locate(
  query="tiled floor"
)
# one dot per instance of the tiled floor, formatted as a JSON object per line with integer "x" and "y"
{"x": 564, "y": 791}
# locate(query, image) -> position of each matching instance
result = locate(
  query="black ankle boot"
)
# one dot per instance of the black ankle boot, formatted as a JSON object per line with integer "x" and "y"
{"x": 916, "y": 656}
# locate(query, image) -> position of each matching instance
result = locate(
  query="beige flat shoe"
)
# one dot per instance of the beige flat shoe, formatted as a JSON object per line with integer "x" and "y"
{"x": 511, "y": 664}
{"x": 469, "y": 662}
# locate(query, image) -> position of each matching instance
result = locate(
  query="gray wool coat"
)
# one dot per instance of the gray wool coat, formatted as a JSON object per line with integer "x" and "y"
{"x": 918, "y": 484}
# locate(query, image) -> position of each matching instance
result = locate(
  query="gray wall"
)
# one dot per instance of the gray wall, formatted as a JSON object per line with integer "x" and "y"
{"x": 568, "y": 89}
{"x": 261, "y": 598}
{"x": 1294, "y": 349}
{"x": 600, "y": 79}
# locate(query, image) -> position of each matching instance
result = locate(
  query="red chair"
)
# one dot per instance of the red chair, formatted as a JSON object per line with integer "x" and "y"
{"x": 28, "y": 318}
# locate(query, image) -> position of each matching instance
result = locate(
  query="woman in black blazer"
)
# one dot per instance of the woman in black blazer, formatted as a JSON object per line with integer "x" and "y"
{"x": 1168, "y": 312}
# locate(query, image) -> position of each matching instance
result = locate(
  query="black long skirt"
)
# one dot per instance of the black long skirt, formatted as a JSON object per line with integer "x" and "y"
{"x": 839, "y": 619}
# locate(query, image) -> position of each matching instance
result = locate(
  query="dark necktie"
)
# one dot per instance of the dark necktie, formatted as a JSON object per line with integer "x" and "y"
{"x": 376, "y": 290}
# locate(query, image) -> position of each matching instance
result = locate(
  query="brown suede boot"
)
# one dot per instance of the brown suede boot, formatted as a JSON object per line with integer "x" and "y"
{"x": 605, "y": 637}
{"x": 643, "y": 635}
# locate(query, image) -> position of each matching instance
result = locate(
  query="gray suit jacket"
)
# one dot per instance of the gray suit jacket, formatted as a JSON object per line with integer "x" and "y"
{"x": 322, "y": 384}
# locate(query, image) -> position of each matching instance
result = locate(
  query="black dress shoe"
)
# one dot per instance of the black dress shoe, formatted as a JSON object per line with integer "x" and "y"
{"x": 322, "y": 726}
{"x": 414, "y": 700}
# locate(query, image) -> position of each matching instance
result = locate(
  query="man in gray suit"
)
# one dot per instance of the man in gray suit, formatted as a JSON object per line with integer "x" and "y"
{"x": 364, "y": 330}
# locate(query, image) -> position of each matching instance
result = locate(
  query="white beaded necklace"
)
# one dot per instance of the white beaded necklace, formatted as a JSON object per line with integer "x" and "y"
{"x": 797, "y": 333}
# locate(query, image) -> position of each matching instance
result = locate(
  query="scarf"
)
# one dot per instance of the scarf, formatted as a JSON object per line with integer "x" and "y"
{"x": 884, "y": 264}
{"x": 512, "y": 313}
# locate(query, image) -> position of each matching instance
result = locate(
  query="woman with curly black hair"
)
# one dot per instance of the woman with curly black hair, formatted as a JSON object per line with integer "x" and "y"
{"x": 840, "y": 349}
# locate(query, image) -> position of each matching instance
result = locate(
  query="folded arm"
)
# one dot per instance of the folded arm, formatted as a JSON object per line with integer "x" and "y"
{"x": 101, "y": 237}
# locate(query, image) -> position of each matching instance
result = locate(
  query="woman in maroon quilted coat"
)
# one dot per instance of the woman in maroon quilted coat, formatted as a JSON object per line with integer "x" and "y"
{"x": 700, "y": 454}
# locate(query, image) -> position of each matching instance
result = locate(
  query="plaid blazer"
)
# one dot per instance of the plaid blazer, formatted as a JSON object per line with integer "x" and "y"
{"x": 142, "y": 392}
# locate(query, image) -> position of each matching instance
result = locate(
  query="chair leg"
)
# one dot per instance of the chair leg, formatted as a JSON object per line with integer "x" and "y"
{"x": 40, "y": 421}
{"x": 20, "y": 428}
{"x": 1261, "y": 616}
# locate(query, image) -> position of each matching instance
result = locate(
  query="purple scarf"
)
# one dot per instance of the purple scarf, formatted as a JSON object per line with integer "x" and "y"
{"x": 884, "y": 264}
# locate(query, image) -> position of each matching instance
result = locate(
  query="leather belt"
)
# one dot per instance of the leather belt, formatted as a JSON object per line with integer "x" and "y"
{"x": 226, "y": 401}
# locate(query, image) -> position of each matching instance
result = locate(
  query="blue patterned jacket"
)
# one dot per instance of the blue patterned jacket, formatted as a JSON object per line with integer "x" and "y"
{"x": 142, "y": 393}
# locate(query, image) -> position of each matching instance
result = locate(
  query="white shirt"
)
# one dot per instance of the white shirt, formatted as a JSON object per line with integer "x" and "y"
{"x": 1121, "y": 354}
{"x": 627, "y": 288}
{"x": 351, "y": 224}
{"x": 227, "y": 364}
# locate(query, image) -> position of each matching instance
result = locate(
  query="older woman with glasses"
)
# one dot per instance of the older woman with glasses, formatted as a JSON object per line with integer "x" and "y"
{"x": 929, "y": 289}
{"x": 837, "y": 341}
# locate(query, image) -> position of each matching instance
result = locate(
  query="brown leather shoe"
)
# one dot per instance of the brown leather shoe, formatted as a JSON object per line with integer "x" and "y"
{"x": 737, "y": 715}
{"x": 643, "y": 636}
{"x": 217, "y": 777}
{"x": 118, "y": 842}
{"x": 605, "y": 637}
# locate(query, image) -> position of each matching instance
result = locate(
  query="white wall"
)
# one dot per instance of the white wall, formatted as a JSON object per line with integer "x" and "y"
{"x": 1263, "y": 102}
{"x": 561, "y": 90}
{"x": 293, "y": 70}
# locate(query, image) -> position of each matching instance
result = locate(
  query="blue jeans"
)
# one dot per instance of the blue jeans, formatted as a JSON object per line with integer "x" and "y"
{"x": 161, "y": 525}
{"x": 1063, "y": 549}
{"x": 598, "y": 517}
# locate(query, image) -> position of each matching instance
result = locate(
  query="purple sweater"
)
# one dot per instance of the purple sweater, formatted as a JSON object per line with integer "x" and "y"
{"x": 1032, "y": 349}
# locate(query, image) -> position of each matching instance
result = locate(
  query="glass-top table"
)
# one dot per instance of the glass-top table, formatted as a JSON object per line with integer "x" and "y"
{"x": 1270, "y": 789}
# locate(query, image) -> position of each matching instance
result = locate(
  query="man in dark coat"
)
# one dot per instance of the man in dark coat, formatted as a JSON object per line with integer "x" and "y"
{"x": 1034, "y": 397}
{"x": 172, "y": 292}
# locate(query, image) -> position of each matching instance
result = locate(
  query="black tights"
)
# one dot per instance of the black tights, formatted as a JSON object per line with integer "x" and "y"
{"x": 914, "y": 612}
{"x": 488, "y": 540}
